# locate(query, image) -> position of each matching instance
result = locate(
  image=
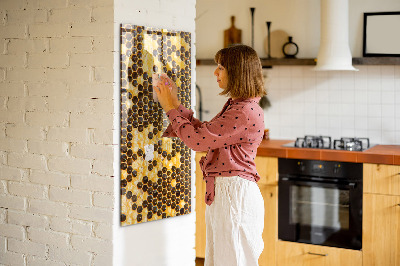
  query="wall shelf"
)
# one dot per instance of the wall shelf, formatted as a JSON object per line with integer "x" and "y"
{"x": 376, "y": 61}
{"x": 312, "y": 61}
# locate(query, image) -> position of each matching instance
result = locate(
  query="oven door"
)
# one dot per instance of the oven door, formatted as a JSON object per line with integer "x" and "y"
{"x": 321, "y": 212}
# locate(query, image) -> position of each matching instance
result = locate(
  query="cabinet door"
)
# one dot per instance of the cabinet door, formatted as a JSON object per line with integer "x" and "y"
{"x": 381, "y": 230}
{"x": 270, "y": 233}
{"x": 297, "y": 254}
{"x": 200, "y": 209}
{"x": 381, "y": 179}
{"x": 267, "y": 168}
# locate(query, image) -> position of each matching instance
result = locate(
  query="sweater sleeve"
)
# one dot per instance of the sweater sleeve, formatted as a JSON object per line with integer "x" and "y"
{"x": 186, "y": 113}
{"x": 229, "y": 128}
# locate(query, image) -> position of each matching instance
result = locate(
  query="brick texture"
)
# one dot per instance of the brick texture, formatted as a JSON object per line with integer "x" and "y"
{"x": 53, "y": 60}
{"x": 29, "y": 161}
{"x": 48, "y": 30}
{"x": 36, "y": 261}
{"x": 72, "y": 226}
{"x": 48, "y": 147}
{"x": 10, "y": 173}
{"x": 103, "y": 200}
{"x": 70, "y": 256}
{"x": 27, "y": 190}
{"x": 15, "y": 104}
{"x": 51, "y": 98}
{"x": 48, "y": 237}
{"x": 56, "y": 128}
{"x": 12, "y": 231}
{"x": 28, "y": 219}
{"x": 67, "y": 134}
{"x": 12, "y": 202}
{"x": 96, "y": 245}
{"x": 13, "y": 31}
{"x": 20, "y": 46}
{"x": 10, "y": 258}
{"x": 91, "y": 214}
{"x": 12, "y": 89}
{"x": 13, "y": 4}
{"x": 46, "y": 89}
{"x": 61, "y": 15}
{"x": 26, "y": 16}
{"x": 103, "y": 231}
{"x": 27, "y": 247}
{"x": 70, "y": 196}
{"x": 49, "y": 178}
{"x": 23, "y": 132}
{"x": 70, "y": 165}
{"x": 92, "y": 182}
{"x": 71, "y": 44}
{"x": 46, "y": 207}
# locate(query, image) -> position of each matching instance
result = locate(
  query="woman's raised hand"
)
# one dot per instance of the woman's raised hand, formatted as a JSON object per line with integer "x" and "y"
{"x": 174, "y": 89}
{"x": 163, "y": 87}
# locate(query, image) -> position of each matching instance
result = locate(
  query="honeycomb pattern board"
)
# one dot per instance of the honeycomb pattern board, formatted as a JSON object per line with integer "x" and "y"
{"x": 155, "y": 171}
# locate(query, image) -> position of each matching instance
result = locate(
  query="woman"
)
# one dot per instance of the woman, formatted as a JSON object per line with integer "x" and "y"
{"x": 235, "y": 207}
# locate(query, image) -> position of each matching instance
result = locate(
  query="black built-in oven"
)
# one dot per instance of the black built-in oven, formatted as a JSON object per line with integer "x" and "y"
{"x": 320, "y": 202}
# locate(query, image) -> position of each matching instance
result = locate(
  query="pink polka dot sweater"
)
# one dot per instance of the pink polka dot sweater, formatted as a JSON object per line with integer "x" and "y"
{"x": 231, "y": 139}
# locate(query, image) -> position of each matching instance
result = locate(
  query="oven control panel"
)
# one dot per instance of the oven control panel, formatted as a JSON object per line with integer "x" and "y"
{"x": 330, "y": 169}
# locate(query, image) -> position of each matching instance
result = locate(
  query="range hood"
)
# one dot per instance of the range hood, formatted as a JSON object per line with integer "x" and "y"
{"x": 334, "y": 51}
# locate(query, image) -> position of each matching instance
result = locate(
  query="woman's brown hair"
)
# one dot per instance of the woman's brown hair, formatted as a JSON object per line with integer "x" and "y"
{"x": 245, "y": 78}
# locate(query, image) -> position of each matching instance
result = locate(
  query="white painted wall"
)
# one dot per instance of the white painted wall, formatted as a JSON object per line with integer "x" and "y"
{"x": 338, "y": 104}
{"x": 299, "y": 18}
{"x": 168, "y": 241}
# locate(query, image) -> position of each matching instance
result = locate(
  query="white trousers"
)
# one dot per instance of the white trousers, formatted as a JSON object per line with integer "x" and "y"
{"x": 234, "y": 223}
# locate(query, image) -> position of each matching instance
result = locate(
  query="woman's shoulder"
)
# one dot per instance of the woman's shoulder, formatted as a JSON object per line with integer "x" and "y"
{"x": 248, "y": 105}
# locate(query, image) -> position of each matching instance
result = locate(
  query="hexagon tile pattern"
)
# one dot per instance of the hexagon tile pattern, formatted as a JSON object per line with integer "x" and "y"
{"x": 155, "y": 171}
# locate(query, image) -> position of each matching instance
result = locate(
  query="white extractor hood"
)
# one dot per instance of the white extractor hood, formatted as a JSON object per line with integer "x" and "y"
{"x": 334, "y": 52}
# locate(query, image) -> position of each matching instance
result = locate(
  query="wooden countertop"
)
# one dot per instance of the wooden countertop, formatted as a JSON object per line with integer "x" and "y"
{"x": 379, "y": 154}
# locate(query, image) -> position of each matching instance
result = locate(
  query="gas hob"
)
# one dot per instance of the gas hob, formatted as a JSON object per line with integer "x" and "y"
{"x": 325, "y": 142}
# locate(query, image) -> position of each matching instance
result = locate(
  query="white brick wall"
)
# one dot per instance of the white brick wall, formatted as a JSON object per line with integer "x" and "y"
{"x": 27, "y": 247}
{"x": 28, "y": 219}
{"x": 72, "y": 226}
{"x": 56, "y": 119}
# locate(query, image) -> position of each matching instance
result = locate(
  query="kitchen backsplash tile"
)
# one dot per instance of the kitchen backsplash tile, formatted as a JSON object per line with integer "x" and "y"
{"x": 365, "y": 103}
{"x": 388, "y": 110}
{"x": 388, "y": 97}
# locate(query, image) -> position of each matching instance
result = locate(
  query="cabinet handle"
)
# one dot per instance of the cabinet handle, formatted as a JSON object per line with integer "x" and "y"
{"x": 318, "y": 254}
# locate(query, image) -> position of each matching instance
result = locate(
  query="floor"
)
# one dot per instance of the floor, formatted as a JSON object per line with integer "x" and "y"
{"x": 199, "y": 262}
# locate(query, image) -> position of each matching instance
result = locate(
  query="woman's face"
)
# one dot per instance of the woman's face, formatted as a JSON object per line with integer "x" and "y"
{"x": 222, "y": 76}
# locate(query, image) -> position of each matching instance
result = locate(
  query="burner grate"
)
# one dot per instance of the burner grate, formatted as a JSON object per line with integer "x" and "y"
{"x": 321, "y": 142}
{"x": 351, "y": 144}
{"x": 324, "y": 142}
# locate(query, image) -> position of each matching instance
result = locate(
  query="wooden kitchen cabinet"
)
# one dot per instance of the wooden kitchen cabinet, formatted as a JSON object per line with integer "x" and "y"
{"x": 381, "y": 179}
{"x": 381, "y": 230}
{"x": 267, "y": 168}
{"x": 270, "y": 233}
{"x": 200, "y": 209}
{"x": 298, "y": 254}
{"x": 381, "y": 215}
